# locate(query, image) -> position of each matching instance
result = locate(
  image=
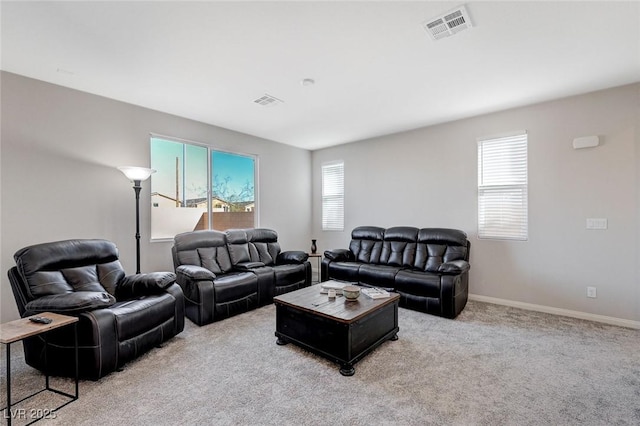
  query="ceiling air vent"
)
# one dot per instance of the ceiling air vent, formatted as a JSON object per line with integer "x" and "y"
{"x": 448, "y": 24}
{"x": 268, "y": 100}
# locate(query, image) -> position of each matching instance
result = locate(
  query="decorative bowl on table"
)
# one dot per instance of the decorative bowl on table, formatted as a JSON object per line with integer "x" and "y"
{"x": 351, "y": 292}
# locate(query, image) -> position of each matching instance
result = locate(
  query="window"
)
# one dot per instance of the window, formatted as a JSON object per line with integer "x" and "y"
{"x": 502, "y": 188}
{"x": 186, "y": 174}
{"x": 333, "y": 196}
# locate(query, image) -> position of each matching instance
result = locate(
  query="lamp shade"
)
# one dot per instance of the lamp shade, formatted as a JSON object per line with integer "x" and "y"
{"x": 136, "y": 173}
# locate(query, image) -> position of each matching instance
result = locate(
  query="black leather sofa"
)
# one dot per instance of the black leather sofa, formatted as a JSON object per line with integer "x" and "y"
{"x": 227, "y": 273}
{"x": 428, "y": 267}
{"x": 120, "y": 317}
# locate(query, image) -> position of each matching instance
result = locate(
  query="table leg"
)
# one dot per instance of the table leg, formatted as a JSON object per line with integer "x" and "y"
{"x": 75, "y": 333}
{"x": 9, "y": 384}
{"x": 347, "y": 369}
{"x": 46, "y": 360}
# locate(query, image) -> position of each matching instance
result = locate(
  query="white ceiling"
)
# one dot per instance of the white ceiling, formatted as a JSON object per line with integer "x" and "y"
{"x": 376, "y": 70}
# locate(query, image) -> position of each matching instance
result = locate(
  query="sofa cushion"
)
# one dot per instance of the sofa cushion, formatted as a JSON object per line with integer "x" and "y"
{"x": 202, "y": 248}
{"x": 66, "y": 266}
{"x": 63, "y": 255}
{"x": 83, "y": 278}
{"x": 418, "y": 283}
{"x": 286, "y": 275}
{"x": 234, "y": 286}
{"x": 378, "y": 275}
{"x": 71, "y": 303}
{"x": 253, "y": 245}
{"x": 399, "y": 246}
{"x": 344, "y": 271}
{"x": 263, "y": 245}
{"x": 135, "y": 317}
{"x": 439, "y": 245}
{"x": 238, "y": 246}
{"x": 366, "y": 244}
{"x": 215, "y": 259}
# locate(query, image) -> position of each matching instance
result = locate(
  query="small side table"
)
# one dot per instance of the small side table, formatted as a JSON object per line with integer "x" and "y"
{"x": 18, "y": 330}
{"x": 318, "y": 256}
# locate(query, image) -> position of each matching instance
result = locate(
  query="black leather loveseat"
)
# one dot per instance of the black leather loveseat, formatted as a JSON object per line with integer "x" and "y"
{"x": 226, "y": 273}
{"x": 120, "y": 317}
{"x": 428, "y": 267}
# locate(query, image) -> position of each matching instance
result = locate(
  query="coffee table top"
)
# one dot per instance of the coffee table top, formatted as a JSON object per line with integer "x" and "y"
{"x": 22, "y": 328}
{"x": 311, "y": 300}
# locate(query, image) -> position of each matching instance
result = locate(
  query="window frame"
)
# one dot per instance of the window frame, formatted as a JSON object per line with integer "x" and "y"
{"x": 210, "y": 150}
{"x": 518, "y": 184}
{"x": 325, "y": 223}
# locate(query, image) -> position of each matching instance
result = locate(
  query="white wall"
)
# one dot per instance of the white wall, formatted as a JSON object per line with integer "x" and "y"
{"x": 428, "y": 177}
{"x": 60, "y": 148}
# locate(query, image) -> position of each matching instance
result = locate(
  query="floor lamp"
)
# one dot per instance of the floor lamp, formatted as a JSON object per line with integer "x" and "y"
{"x": 137, "y": 175}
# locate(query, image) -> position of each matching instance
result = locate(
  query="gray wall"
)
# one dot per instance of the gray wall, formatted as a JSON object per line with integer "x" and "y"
{"x": 60, "y": 148}
{"x": 428, "y": 177}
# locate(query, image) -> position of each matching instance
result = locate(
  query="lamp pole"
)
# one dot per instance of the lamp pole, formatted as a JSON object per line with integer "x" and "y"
{"x": 137, "y": 175}
{"x": 137, "y": 188}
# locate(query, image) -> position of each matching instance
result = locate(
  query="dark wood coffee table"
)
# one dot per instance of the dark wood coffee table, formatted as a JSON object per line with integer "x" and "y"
{"x": 339, "y": 330}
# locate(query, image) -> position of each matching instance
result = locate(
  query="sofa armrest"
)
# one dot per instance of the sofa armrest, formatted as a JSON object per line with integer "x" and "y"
{"x": 339, "y": 255}
{"x": 454, "y": 267}
{"x": 248, "y": 266}
{"x": 293, "y": 257}
{"x": 70, "y": 303}
{"x": 144, "y": 284}
{"x": 187, "y": 273}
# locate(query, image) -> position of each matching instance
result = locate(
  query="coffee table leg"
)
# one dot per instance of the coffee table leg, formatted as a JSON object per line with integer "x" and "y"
{"x": 347, "y": 369}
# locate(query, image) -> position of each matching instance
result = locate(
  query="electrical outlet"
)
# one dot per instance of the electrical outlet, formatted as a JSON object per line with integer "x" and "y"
{"x": 591, "y": 292}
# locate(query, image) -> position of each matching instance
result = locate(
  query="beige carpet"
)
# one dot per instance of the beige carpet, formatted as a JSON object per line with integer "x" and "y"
{"x": 493, "y": 365}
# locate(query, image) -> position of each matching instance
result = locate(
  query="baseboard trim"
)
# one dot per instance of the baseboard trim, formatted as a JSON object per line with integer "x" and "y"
{"x": 557, "y": 311}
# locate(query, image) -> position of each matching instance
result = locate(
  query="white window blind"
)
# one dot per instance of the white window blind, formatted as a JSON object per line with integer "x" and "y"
{"x": 502, "y": 188}
{"x": 333, "y": 196}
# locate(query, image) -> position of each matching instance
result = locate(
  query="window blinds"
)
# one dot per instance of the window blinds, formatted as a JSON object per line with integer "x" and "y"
{"x": 333, "y": 196}
{"x": 502, "y": 188}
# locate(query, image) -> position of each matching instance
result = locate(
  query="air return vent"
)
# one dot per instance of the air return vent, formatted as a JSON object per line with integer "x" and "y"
{"x": 268, "y": 100}
{"x": 448, "y": 24}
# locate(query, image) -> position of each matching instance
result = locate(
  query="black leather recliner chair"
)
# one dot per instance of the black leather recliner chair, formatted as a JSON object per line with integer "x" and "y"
{"x": 120, "y": 317}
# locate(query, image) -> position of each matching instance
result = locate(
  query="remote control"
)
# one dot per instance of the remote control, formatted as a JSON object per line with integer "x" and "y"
{"x": 41, "y": 320}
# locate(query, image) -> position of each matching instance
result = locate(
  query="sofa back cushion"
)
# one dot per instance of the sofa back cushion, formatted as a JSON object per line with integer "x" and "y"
{"x": 202, "y": 248}
{"x": 253, "y": 245}
{"x": 439, "y": 245}
{"x": 366, "y": 244}
{"x": 399, "y": 246}
{"x": 67, "y": 266}
{"x": 238, "y": 246}
{"x": 263, "y": 245}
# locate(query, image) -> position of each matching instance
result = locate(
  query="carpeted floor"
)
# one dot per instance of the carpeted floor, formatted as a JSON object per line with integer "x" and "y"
{"x": 493, "y": 365}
